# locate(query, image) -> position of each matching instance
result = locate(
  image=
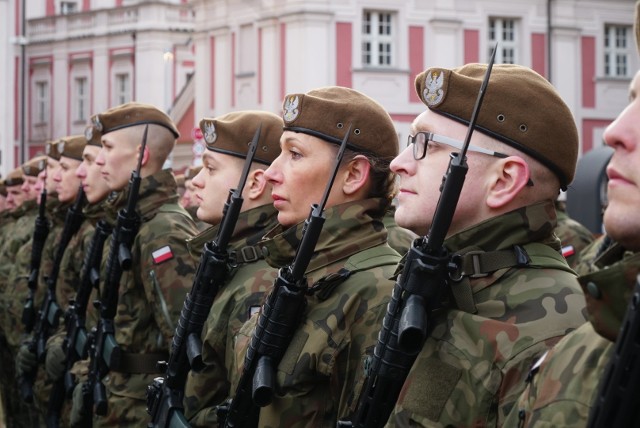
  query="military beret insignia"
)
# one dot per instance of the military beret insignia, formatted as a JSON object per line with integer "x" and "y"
{"x": 433, "y": 92}
{"x": 47, "y": 149}
{"x": 60, "y": 147}
{"x": 290, "y": 107}
{"x": 209, "y": 132}
{"x": 88, "y": 133}
{"x": 42, "y": 165}
{"x": 96, "y": 122}
{"x": 27, "y": 169}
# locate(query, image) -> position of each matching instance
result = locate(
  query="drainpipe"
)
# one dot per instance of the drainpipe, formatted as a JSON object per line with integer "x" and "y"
{"x": 549, "y": 30}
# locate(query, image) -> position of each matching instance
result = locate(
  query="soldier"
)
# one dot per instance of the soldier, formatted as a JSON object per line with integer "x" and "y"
{"x": 3, "y": 199}
{"x": 226, "y": 138}
{"x": 348, "y": 273}
{"x": 573, "y": 236}
{"x": 471, "y": 367}
{"x": 563, "y": 384}
{"x": 188, "y": 200}
{"x": 152, "y": 291}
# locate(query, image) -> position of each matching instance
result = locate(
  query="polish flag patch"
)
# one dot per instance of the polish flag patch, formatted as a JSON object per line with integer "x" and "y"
{"x": 162, "y": 254}
{"x": 568, "y": 251}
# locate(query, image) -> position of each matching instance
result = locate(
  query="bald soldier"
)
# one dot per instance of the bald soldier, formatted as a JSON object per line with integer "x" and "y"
{"x": 515, "y": 295}
{"x": 151, "y": 293}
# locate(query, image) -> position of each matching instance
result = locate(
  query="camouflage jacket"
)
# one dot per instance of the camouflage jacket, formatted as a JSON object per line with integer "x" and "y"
{"x": 398, "y": 238}
{"x": 150, "y": 295}
{"x": 471, "y": 369}
{"x": 231, "y": 309}
{"x": 323, "y": 365}
{"x": 16, "y": 235}
{"x": 563, "y": 385}
{"x": 573, "y": 236}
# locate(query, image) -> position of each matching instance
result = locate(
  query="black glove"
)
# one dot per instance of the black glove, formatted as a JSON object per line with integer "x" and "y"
{"x": 55, "y": 362}
{"x": 26, "y": 361}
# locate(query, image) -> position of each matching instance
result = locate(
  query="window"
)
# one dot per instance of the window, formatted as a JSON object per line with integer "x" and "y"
{"x": 81, "y": 99}
{"x": 377, "y": 39}
{"x": 617, "y": 50}
{"x": 503, "y": 31}
{"x": 67, "y": 7}
{"x": 122, "y": 94}
{"x": 41, "y": 114}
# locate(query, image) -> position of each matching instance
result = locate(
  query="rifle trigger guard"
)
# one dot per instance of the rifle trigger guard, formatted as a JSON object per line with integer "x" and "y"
{"x": 455, "y": 268}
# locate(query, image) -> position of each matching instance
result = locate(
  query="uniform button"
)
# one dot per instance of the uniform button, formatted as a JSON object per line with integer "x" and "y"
{"x": 265, "y": 252}
{"x": 593, "y": 290}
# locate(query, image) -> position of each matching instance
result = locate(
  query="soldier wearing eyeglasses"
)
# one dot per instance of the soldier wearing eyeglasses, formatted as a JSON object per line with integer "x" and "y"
{"x": 522, "y": 297}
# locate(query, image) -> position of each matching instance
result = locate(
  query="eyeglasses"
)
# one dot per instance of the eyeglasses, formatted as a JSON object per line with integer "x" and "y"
{"x": 422, "y": 139}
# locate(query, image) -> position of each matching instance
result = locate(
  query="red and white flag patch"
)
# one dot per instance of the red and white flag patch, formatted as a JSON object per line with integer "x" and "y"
{"x": 162, "y": 254}
{"x": 568, "y": 251}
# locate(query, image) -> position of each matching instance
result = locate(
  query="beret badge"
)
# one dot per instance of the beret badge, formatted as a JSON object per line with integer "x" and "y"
{"x": 210, "y": 135}
{"x": 291, "y": 110}
{"x": 88, "y": 133}
{"x": 27, "y": 169}
{"x": 42, "y": 165}
{"x": 96, "y": 122}
{"x": 60, "y": 147}
{"x": 433, "y": 93}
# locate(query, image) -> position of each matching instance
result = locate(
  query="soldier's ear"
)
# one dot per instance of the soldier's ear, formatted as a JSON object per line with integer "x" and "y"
{"x": 145, "y": 155}
{"x": 256, "y": 185}
{"x": 507, "y": 177}
{"x": 356, "y": 176}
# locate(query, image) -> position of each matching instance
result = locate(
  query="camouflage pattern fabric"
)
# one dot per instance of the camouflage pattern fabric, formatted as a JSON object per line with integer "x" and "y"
{"x": 17, "y": 234}
{"x": 151, "y": 294}
{"x": 242, "y": 294}
{"x": 562, "y": 387}
{"x": 472, "y": 367}
{"x": 573, "y": 236}
{"x": 323, "y": 365}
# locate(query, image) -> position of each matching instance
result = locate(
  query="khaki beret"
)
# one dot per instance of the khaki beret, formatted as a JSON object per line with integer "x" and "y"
{"x": 179, "y": 179}
{"x": 14, "y": 178}
{"x": 71, "y": 146}
{"x": 51, "y": 149}
{"x": 131, "y": 114}
{"x": 191, "y": 172}
{"x": 327, "y": 113}
{"x": 520, "y": 108}
{"x": 34, "y": 166}
{"x": 231, "y": 134}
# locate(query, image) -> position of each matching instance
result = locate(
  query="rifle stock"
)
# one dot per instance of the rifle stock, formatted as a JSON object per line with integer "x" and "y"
{"x": 165, "y": 394}
{"x": 278, "y": 320}
{"x": 416, "y": 294}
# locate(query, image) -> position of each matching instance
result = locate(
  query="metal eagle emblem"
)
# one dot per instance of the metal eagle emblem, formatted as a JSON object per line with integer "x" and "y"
{"x": 88, "y": 133}
{"x": 291, "y": 110}
{"x": 210, "y": 135}
{"x": 96, "y": 122}
{"x": 433, "y": 92}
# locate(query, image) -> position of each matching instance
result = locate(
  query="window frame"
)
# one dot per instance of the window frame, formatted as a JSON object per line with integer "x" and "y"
{"x": 378, "y": 40}
{"x": 508, "y": 50}
{"x": 613, "y": 54}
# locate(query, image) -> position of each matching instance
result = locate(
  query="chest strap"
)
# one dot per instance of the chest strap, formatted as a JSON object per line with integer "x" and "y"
{"x": 248, "y": 254}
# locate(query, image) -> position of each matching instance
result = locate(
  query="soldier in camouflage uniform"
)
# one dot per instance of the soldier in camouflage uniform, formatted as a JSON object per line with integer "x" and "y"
{"x": 563, "y": 385}
{"x": 151, "y": 293}
{"x": 573, "y": 236}
{"x": 17, "y": 243}
{"x": 226, "y": 138}
{"x": 188, "y": 199}
{"x": 348, "y": 274}
{"x": 506, "y": 312}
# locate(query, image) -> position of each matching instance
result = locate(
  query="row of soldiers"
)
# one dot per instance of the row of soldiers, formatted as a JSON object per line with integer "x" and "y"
{"x": 338, "y": 280}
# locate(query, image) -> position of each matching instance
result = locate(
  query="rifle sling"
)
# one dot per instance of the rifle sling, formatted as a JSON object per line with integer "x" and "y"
{"x": 140, "y": 363}
{"x": 248, "y": 254}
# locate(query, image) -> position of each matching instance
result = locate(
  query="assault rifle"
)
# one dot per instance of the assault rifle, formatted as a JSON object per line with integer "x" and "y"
{"x": 278, "y": 320}
{"x": 106, "y": 353}
{"x": 76, "y": 341}
{"x": 50, "y": 312}
{"x": 618, "y": 402}
{"x": 416, "y": 294}
{"x": 40, "y": 233}
{"x": 165, "y": 394}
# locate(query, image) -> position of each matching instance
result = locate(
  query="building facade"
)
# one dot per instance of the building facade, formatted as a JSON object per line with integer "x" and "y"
{"x": 202, "y": 58}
